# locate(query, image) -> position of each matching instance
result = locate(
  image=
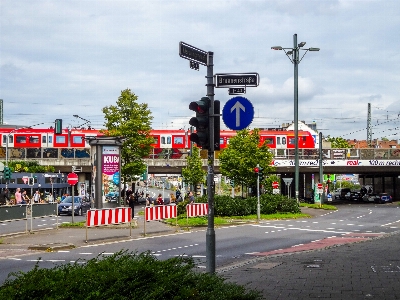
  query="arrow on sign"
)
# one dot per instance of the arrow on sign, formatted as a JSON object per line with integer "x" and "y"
{"x": 238, "y": 106}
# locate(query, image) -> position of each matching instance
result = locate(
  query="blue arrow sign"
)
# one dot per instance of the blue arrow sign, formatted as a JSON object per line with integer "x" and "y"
{"x": 116, "y": 177}
{"x": 238, "y": 113}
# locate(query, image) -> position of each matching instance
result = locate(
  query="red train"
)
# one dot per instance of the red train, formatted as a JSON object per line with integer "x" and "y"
{"x": 167, "y": 143}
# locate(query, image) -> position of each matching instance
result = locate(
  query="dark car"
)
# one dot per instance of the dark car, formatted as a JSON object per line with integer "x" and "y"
{"x": 80, "y": 206}
{"x": 355, "y": 196}
{"x": 384, "y": 198}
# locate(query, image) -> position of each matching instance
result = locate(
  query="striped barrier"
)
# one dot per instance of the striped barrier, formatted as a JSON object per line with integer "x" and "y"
{"x": 197, "y": 209}
{"x": 159, "y": 212}
{"x": 108, "y": 216}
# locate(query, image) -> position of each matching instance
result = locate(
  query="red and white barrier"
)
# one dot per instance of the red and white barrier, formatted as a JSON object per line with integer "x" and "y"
{"x": 197, "y": 209}
{"x": 108, "y": 216}
{"x": 159, "y": 212}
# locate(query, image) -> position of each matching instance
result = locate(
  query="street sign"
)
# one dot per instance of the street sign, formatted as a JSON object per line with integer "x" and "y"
{"x": 320, "y": 186}
{"x": 192, "y": 53}
{"x": 275, "y": 185}
{"x": 72, "y": 178}
{"x": 238, "y": 113}
{"x": 236, "y": 80}
{"x": 287, "y": 181}
{"x": 237, "y": 91}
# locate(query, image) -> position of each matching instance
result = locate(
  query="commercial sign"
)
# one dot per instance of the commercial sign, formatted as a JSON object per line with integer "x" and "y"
{"x": 192, "y": 53}
{"x": 110, "y": 169}
{"x": 236, "y": 80}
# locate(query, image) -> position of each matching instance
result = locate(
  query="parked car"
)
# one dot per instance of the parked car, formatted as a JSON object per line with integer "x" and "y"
{"x": 384, "y": 198}
{"x": 80, "y": 206}
{"x": 342, "y": 194}
{"x": 112, "y": 196}
{"x": 370, "y": 198}
{"x": 355, "y": 196}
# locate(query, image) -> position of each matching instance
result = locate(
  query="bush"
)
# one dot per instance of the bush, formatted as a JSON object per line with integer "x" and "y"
{"x": 269, "y": 204}
{"x": 123, "y": 276}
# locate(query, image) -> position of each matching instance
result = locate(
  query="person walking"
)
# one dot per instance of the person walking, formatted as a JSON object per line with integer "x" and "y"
{"x": 172, "y": 198}
{"x": 4, "y": 197}
{"x": 36, "y": 197}
{"x": 24, "y": 197}
{"x": 18, "y": 196}
{"x": 191, "y": 198}
{"x": 131, "y": 202}
{"x": 160, "y": 200}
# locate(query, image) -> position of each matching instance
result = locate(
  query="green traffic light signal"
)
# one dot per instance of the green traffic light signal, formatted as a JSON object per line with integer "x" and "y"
{"x": 201, "y": 122}
{"x": 7, "y": 173}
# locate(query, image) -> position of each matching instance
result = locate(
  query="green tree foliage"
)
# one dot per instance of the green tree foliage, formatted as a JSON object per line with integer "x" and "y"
{"x": 244, "y": 152}
{"x": 193, "y": 173}
{"x": 338, "y": 142}
{"x": 21, "y": 166}
{"x": 132, "y": 121}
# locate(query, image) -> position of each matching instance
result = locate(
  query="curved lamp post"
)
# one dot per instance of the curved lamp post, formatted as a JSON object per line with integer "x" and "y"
{"x": 293, "y": 55}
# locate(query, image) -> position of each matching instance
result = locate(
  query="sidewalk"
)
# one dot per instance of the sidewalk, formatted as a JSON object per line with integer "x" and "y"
{"x": 365, "y": 270}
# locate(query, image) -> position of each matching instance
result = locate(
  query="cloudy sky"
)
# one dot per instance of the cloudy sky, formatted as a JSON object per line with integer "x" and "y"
{"x": 65, "y": 58}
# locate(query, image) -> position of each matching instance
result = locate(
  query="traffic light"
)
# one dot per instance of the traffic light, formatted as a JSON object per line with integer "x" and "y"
{"x": 7, "y": 173}
{"x": 232, "y": 183}
{"x": 258, "y": 171}
{"x": 201, "y": 121}
{"x": 31, "y": 181}
{"x": 58, "y": 126}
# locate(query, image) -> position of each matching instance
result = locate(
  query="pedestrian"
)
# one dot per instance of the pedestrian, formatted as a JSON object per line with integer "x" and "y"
{"x": 18, "y": 196}
{"x": 172, "y": 198}
{"x": 131, "y": 202}
{"x": 4, "y": 197}
{"x": 36, "y": 197}
{"x": 160, "y": 200}
{"x": 24, "y": 197}
{"x": 128, "y": 195}
{"x": 148, "y": 200}
{"x": 191, "y": 198}
{"x": 178, "y": 195}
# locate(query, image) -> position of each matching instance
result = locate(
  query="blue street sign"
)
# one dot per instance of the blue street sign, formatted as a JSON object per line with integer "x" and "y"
{"x": 238, "y": 113}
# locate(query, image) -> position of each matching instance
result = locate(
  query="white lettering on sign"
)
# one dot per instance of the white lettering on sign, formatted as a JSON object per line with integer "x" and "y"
{"x": 111, "y": 159}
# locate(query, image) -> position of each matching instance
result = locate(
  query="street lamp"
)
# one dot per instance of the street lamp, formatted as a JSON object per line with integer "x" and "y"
{"x": 293, "y": 55}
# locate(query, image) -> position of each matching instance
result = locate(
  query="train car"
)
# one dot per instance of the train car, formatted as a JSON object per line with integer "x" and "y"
{"x": 167, "y": 144}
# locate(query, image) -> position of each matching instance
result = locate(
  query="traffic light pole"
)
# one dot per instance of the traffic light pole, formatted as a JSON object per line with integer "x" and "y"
{"x": 210, "y": 235}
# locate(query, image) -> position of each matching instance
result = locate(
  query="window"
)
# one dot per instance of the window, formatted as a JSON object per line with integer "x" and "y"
{"x": 10, "y": 139}
{"x": 283, "y": 141}
{"x": 60, "y": 139}
{"x": 291, "y": 141}
{"x": 166, "y": 140}
{"x": 77, "y": 139}
{"x": 278, "y": 140}
{"x": 50, "y": 139}
{"x": 269, "y": 141}
{"x": 4, "y": 139}
{"x": 44, "y": 139}
{"x": 221, "y": 141}
{"x": 21, "y": 139}
{"x": 178, "y": 140}
{"x": 34, "y": 139}
{"x": 162, "y": 140}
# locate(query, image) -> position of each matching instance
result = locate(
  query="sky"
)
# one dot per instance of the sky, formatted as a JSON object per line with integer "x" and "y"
{"x": 63, "y": 58}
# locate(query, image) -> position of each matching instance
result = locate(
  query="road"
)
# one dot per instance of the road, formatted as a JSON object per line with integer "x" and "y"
{"x": 234, "y": 244}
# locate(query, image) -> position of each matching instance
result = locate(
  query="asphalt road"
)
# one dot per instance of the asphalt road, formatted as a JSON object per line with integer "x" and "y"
{"x": 234, "y": 244}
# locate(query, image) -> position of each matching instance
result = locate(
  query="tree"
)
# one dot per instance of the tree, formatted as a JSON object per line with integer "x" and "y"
{"x": 193, "y": 173}
{"x": 244, "y": 152}
{"x": 338, "y": 142}
{"x": 131, "y": 120}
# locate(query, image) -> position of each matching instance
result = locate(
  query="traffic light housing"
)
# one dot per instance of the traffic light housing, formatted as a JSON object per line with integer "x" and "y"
{"x": 201, "y": 137}
{"x": 31, "y": 181}
{"x": 58, "y": 126}
{"x": 7, "y": 173}
{"x": 217, "y": 125}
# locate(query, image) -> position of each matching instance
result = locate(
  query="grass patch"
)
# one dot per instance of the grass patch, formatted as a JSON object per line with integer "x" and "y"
{"x": 220, "y": 221}
{"x": 317, "y": 206}
{"x": 75, "y": 225}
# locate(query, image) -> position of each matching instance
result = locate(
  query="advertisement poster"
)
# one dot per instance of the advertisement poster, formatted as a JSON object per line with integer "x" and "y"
{"x": 110, "y": 173}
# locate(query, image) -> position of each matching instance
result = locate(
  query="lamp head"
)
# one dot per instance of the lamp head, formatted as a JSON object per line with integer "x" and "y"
{"x": 313, "y": 49}
{"x": 276, "y": 48}
{"x": 302, "y": 44}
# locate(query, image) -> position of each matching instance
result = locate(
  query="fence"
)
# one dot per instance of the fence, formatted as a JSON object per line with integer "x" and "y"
{"x": 108, "y": 216}
{"x": 28, "y": 212}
